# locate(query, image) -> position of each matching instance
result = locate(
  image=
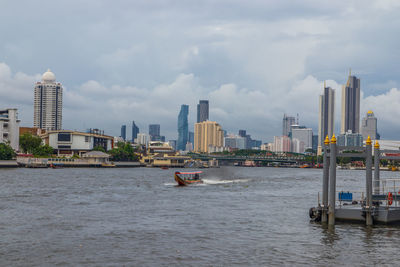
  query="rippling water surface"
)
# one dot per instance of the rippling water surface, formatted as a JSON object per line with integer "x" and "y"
{"x": 138, "y": 217}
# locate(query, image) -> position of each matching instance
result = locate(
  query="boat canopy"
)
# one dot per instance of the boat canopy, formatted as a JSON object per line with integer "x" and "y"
{"x": 198, "y": 172}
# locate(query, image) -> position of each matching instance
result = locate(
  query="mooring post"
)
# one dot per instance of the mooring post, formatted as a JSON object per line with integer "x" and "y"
{"x": 368, "y": 176}
{"x": 325, "y": 182}
{"x": 332, "y": 182}
{"x": 377, "y": 154}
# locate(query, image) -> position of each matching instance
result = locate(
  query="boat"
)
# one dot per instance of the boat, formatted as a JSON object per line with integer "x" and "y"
{"x": 56, "y": 166}
{"x": 188, "y": 178}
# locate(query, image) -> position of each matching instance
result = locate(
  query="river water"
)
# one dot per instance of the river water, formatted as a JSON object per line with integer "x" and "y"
{"x": 138, "y": 217}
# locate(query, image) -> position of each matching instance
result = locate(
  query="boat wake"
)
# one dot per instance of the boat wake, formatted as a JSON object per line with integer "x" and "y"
{"x": 212, "y": 181}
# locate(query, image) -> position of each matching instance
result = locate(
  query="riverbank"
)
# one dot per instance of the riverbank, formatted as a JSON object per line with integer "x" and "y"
{"x": 8, "y": 164}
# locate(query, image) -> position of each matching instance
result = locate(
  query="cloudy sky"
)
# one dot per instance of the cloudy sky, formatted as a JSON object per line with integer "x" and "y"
{"x": 254, "y": 60}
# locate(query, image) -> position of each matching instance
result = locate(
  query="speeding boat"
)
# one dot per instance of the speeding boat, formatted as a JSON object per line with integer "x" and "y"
{"x": 188, "y": 178}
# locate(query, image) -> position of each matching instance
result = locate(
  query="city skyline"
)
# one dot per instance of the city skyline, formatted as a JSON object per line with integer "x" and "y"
{"x": 252, "y": 68}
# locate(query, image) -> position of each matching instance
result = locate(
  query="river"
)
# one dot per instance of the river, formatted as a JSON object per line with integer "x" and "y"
{"x": 138, "y": 217}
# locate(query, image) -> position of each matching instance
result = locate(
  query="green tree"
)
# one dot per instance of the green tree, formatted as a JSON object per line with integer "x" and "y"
{"x": 123, "y": 152}
{"x": 29, "y": 143}
{"x": 43, "y": 151}
{"x": 6, "y": 152}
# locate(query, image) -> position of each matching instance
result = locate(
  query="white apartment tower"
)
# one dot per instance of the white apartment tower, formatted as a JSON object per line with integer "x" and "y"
{"x": 9, "y": 127}
{"x": 48, "y": 103}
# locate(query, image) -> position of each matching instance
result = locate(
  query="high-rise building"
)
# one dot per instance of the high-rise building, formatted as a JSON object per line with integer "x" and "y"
{"x": 142, "y": 139}
{"x": 350, "y": 139}
{"x": 202, "y": 111}
{"x": 303, "y": 137}
{"x": 9, "y": 127}
{"x": 135, "y": 131}
{"x": 282, "y": 144}
{"x": 351, "y": 105}
{"x": 287, "y": 122}
{"x": 235, "y": 142}
{"x": 369, "y": 126}
{"x": 183, "y": 128}
{"x": 123, "y": 132}
{"x": 207, "y": 136}
{"x": 154, "y": 132}
{"x": 48, "y": 103}
{"x": 315, "y": 143}
{"x": 326, "y": 124}
{"x": 191, "y": 137}
{"x": 242, "y": 133}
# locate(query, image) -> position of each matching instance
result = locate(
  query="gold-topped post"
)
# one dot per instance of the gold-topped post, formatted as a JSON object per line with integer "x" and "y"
{"x": 333, "y": 139}
{"x": 326, "y": 140}
{"x": 332, "y": 182}
{"x": 368, "y": 142}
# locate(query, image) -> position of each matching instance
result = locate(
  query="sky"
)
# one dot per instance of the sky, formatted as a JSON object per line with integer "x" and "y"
{"x": 254, "y": 61}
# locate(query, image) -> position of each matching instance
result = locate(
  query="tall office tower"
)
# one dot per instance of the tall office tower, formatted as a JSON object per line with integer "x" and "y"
{"x": 123, "y": 132}
{"x": 326, "y": 124}
{"x": 48, "y": 103}
{"x": 288, "y": 121}
{"x": 183, "y": 128}
{"x": 154, "y": 132}
{"x": 207, "y": 135}
{"x": 369, "y": 126}
{"x": 242, "y": 133}
{"x": 351, "y": 105}
{"x": 202, "y": 111}
{"x": 191, "y": 137}
{"x": 135, "y": 131}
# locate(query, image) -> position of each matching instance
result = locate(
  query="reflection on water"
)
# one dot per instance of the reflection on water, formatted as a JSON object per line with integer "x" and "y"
{"x": 139, "y": 217}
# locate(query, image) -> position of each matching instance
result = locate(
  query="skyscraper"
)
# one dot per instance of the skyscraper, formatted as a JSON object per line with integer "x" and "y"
{"x": 123, "y": 132}
{"x": 135, "y": 131}
{"x": 48, "y": 103}
{"x": 207, "y": 135}
{"x": 326, "y": 125}
{"x": 287, "y": 122}
{"x": 191, "y": 137}
{"x": 183, "y": 127}
{"x": 202, "y": 111}
{"x": 351, "y": 105}
{"x": 242, "y": 133}
{"x": 369, "y": 126}
{"x": 154, "y": 132}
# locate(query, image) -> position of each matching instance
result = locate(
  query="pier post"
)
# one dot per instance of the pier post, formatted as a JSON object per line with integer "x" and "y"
{"x": 377, "y": 159}
{"x": 368, "y": 176}
{"x": 332, "y": 182}
{"x": 325, "y": 182}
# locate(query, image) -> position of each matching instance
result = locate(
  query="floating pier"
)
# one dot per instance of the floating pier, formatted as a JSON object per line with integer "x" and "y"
{"x": 379, "y": 203}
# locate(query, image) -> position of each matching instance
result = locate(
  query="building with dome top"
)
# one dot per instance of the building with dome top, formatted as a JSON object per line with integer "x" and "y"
{"x": 48, "y": 103}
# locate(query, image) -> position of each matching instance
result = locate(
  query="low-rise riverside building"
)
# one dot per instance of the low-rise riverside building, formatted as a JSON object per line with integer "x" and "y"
{"x": 68, "y": 143}
{"x": 9, "y": 127}
{"x": 161, "y": 154}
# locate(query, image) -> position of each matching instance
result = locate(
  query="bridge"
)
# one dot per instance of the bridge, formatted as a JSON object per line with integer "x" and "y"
{"x": 291, "y": 159}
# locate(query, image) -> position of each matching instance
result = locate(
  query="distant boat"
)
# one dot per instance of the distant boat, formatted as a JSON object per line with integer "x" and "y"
{"x": 188, "y": 178}
{"x": 56, "y": 166}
